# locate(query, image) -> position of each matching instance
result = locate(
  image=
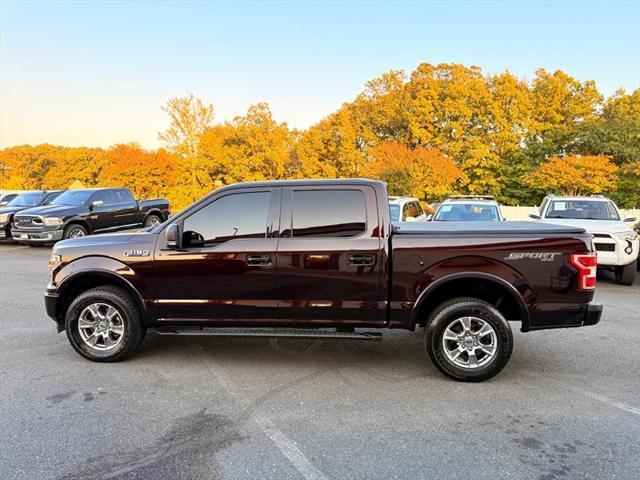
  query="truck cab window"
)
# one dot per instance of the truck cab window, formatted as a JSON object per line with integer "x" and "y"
{"x": 329, "y": 213}
{"x": 122, "y": 195}
{"x": 239, "y": 215}
{"x": 103, "y": 196}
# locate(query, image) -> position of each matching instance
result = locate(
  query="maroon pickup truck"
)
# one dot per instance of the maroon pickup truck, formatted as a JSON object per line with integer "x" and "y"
{"x": 322, "y": 259}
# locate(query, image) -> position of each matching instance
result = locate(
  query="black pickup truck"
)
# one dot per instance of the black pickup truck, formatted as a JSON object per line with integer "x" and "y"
{"x": 81, "y": 212}
{"x": 323, "y": 259}
{"x": 20, "y": 203}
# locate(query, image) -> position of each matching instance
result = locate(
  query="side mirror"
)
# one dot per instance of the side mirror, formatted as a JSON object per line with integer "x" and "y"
{"x": 630, "y": 219}
{"x": 97, "y": 203}
{"x": 172, "y": 236}
{"x": 535, "y": 216}
{"x": 2, "y": 204}
{"x": 429, "y": 217}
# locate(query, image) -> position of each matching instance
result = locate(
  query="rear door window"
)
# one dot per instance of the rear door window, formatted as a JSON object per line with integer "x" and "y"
{"x": 329, "y": 213}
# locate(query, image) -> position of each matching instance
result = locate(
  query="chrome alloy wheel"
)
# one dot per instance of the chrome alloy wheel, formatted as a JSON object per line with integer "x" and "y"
{"x": 76, "y": 232}
{"x": 101, "y": 326}
{"x": 153, "y": 221}
{"x": 470, "y": 342}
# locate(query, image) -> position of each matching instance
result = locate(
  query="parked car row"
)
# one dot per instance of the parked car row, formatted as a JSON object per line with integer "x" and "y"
{"x": 46, "y": 216}
{"x": 617, "y": 244}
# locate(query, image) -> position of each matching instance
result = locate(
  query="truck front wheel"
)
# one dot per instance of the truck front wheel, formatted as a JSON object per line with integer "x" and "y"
{"x": 626, "y": 274}
{"x": 103, "y": 324}
{"x": 468, "y": 339}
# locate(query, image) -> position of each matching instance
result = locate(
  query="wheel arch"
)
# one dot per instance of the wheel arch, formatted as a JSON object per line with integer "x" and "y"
{"x": 154, "y": 211}
{"x": 485, "y": 286}
{"x": 80, "y": 282}
{"x": 78, "y": 221}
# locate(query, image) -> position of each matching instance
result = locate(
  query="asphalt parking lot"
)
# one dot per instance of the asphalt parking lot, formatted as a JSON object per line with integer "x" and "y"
{"x": 567, "y": 406}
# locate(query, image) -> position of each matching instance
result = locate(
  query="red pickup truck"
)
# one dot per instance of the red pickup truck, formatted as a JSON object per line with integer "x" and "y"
{"x": 321, "y": 258}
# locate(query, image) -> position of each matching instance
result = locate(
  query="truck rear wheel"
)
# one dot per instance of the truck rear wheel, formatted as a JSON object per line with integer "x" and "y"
{"x": 152, "y": 220}
{"x": 468, "y": 339}
{"x": 626, "y": 274}
{"x": 103, "y": 324}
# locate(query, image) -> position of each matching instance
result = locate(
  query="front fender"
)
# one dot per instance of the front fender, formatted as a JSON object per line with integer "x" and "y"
{"x": 109, "y": 268}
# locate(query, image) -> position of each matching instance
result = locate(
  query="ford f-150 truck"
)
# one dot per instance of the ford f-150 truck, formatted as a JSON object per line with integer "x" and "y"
{"x": 81, "y": 212}
{"x": 322, "y": 259}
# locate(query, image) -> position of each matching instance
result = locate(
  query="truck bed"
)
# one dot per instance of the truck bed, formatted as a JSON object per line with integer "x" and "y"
{"x": 483, "y": 228}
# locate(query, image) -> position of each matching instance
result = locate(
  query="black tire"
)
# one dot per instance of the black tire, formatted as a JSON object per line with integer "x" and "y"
{"x": 447, "y": 314}
{"x": 75, "y": 230}
{"x": 149, "y": 221}
{"x": 626, "y": 274}
{"x": 134, "y": 330}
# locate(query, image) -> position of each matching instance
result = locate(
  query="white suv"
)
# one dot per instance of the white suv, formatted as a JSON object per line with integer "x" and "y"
{"x": 406, "y": 209}
{"x": 616, "y": 243}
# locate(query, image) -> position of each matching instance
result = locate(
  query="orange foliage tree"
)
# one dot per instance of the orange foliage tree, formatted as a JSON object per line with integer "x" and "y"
{"x": 574, "y": 175}
{"x": 421, "y": 172}
{"x": 146, "y": 173}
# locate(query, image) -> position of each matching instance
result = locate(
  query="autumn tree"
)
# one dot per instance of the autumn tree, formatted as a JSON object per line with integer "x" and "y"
{"x": 333, "y": 148}
{"x": 574, "y": 175}
{"x": 189, "y": 119}
{"x": 147, "y": 173}
{"x": 422, "y": 172}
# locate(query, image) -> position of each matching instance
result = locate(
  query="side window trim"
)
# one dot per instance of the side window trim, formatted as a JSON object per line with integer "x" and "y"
{"x": 288, "y": 205}
{"x": 270, "y": 217}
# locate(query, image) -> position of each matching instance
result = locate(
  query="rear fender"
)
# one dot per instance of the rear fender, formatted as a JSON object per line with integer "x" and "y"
{"x": 500, "y": 274}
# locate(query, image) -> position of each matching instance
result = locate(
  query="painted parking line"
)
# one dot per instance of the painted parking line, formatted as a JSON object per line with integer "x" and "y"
{"x": 586, "y": 393}
{"x": 285, "y": 445}
{"x": 606, "y": 400}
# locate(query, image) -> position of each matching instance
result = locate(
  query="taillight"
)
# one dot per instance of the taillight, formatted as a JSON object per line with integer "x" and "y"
{"x": 586, "y": 264}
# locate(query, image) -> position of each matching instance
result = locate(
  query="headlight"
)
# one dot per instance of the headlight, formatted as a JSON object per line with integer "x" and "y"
{"x": 52, "y": 221}
{"x": 630, "y": 236}
{"x": 4, "y": 218}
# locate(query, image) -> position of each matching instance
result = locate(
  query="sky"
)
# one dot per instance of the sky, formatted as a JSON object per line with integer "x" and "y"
{"x": 97, "y": 73}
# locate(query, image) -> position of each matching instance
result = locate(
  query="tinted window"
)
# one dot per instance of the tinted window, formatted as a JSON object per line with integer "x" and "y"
{"x": 467, "y": 212}
{"x": 104, "y": 196}
{"x": 122, "y": 196}
{"x": 51, "y": 198}
{"x": 583, "y": 209}
{"x": 73, "y": 197}
{"x": 27, "y": 200}
{"x": 328, "y": 213}
{"x": 239, "y": 215}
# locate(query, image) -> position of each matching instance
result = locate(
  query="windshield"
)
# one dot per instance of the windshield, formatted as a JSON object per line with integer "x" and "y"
{"x": 27, "y": 200}
{"x": 467, "y": 212}
{"x": 394, "y": 209}
{"x": 73, "y": 197}
{"x": 583, "y": 210}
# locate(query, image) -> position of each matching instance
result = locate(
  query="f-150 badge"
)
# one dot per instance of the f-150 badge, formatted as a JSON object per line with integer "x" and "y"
{"x": 542, "y": 256}
{"x": 136, "y": 253}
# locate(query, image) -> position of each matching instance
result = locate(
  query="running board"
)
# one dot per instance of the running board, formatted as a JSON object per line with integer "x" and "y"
{"x": 270, "y": 332}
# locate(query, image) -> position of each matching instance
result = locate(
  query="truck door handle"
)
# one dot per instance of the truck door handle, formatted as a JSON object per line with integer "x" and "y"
{"x": 259, "y": 260}
{"x": 361, "y": 259}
